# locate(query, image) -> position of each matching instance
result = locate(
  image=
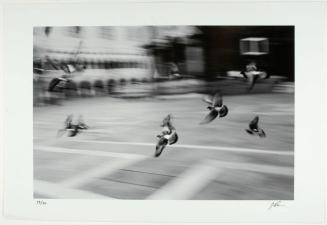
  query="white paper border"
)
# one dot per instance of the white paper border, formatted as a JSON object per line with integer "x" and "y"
{"x": 309, "y": 21}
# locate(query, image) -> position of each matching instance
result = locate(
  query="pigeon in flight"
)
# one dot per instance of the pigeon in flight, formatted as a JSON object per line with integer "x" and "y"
{"x": 57, "y": 84}
{"x": 216, "y": 108}
{"x": 251, "y": 74}
{"x": 71, "y": 128}
{"x": 254, "y": 129}
{"x": 168, "y": 136}
{"x": 251, "y": 77}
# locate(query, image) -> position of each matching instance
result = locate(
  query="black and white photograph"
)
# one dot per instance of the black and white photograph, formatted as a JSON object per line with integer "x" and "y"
{"x": 164, "y": 112}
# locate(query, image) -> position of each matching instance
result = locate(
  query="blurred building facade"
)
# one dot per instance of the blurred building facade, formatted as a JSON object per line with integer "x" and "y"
{"x": 97, "y": 48}
{"x": 124, "y": 60}
{"x": 102, "y": 49}
{"x": 143, "y": 52}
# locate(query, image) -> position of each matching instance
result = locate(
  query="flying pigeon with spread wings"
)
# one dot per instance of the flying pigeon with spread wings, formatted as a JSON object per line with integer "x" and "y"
{"x": 216, "y": 107}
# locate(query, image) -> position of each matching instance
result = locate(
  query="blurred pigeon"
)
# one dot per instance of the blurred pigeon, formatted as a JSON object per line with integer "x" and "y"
{"x": 166, "y": 121}
{"x": 216, "y": 108}
{"x": 81, "y": 123}
{"x": 57, "y": 83}
{"x": 168, "y": 135}
{"x": 255, "y": 129}
{"x": 168, "y": 130}
{"x": 251, "y": 77}
{"x": 251, "y": 74}
{"x": 72, "y": 129}
{"x": 69, "y": 121}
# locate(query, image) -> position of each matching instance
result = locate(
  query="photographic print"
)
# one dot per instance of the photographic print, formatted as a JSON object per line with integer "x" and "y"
{"x": 163, "y": 112}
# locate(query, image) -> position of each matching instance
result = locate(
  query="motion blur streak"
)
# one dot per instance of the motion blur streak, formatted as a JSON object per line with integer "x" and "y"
{"x": 220, "y": 148}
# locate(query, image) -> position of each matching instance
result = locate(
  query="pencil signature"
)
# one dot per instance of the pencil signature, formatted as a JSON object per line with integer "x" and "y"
{"x": 275, "y": 204}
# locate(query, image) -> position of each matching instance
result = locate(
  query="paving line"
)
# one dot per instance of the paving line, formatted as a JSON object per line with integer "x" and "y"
{"x": 48, "y": 125}
{"x": 54, "y": 130}
{"x": 89, "y": 152}
{"x": 269, "y": 169}
{"x": 197, "y": 177}
{"x": 43, "y": 123}
{"x": 99, "y": 171}
{"x": 186, "y": 185}
{"x": 97, "y": 131}
{"x": 122, "y": 161}
{"x": 274, "y": 113}
{"x": 220, "y": 148}
{"x": 58, "y": 191}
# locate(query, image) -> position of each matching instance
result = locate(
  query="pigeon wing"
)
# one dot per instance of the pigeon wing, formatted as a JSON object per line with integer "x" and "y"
{"x": 254, "y": 123}
{"x": 217, "y": 100}
{"x": 253, "y": 81}
{"x": 54, "y": 82}
{"x": 262, "y": 133}
{"x": 244, "y": 74}
{"x": 210, "y": 117}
